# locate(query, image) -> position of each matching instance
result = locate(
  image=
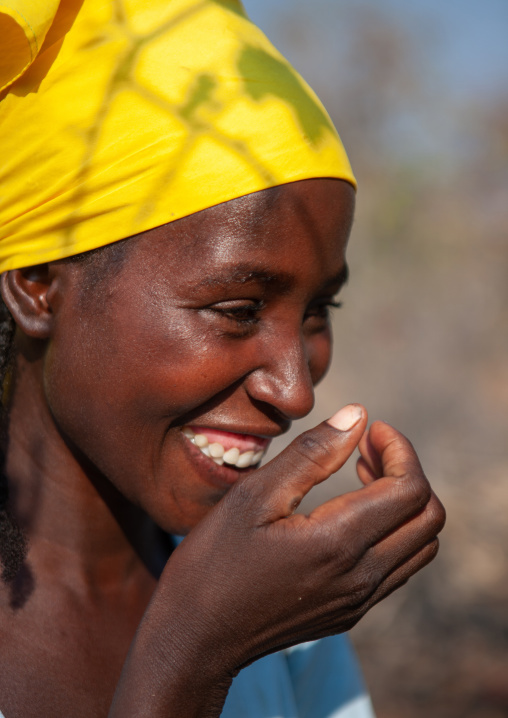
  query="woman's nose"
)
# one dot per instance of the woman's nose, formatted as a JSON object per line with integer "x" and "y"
{"x": 284, "y": 380}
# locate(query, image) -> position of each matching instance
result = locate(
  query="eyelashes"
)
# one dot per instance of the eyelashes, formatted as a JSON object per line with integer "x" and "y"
{"x": 321, "y": 312}
{"x": 324, "y": 307}
{"x": 248, "y": 314}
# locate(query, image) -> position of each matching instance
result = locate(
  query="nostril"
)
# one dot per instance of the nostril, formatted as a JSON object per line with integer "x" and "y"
{"x": 283, "y": 379}
{"x": 288, "y": 399}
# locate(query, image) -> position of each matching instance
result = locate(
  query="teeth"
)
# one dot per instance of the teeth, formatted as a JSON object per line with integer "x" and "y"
{"x": 216, "y": 450}
{"x": 231, "y": 456}
{"x": 244, "y": 460}
{"x": 219, "y": 455}
{"x": 257, "y": 457}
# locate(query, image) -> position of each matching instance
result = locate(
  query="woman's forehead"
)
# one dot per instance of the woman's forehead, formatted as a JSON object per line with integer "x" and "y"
{"x": 267, "y": 238}
{"x": 316, "y": 210}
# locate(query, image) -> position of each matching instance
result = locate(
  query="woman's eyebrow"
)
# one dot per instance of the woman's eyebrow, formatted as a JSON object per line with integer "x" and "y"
{"x": 282, "y": 281}
{"x": 244, "y": 274}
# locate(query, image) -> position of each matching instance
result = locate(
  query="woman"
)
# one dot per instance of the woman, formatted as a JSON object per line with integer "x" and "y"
{"x": 144, "y": 378}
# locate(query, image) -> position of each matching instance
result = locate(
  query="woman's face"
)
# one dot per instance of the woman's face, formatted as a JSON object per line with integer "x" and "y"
{"x": 216, "y": 324}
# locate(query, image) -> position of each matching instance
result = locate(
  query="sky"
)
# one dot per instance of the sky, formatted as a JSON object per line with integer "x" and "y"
{"x": 459, "y": 49}
{"x": 468, "y": 39}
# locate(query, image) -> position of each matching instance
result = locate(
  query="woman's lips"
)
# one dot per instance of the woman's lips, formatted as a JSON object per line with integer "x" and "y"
{"x": 238, "y": 451}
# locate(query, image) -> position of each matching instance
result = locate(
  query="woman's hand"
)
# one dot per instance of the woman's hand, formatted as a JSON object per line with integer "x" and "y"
{"x": 254, "y": 577}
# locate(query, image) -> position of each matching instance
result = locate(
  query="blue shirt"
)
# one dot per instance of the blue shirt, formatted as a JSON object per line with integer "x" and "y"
{"x": 321, "y": 679}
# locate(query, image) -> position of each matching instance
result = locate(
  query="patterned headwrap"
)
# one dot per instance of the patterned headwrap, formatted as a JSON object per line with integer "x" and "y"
{"x": 117, "y": 116}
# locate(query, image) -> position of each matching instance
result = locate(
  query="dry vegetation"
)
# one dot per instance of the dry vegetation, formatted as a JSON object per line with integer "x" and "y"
{"x": 422, "y": 341}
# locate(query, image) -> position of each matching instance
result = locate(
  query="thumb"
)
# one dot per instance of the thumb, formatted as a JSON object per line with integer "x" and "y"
{"x": 312, "y": 457}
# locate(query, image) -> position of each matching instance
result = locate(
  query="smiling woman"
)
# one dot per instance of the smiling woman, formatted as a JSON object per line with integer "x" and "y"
{"x": 170, "y": 254}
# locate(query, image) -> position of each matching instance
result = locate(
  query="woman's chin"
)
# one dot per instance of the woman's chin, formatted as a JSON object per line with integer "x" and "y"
{"x": 201, "y": 483}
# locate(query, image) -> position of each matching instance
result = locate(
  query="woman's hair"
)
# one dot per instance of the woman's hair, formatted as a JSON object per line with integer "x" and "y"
{"x": 98, "y": 265}
{"x": 13, "y": 544}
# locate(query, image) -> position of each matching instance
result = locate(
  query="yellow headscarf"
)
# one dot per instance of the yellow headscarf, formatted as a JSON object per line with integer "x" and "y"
{"x": 117, "y": 116}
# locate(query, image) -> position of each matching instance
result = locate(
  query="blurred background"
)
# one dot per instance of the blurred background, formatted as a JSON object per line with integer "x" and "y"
{"x": 419, "y": 93}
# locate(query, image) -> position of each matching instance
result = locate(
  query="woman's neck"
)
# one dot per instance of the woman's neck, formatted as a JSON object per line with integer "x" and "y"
{"x": 77, "y": 523}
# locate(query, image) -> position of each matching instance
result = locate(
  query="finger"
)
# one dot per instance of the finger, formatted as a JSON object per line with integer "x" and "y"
{"x": 370, "y": 456}
{"x": 403, "y": 573}
{"x": 396, "y": 453}
{"x": 364, "y": 471}
{"x": 311, "y": 458}
{"x": 399, "y": 546}
{"x": 355, "y": 522}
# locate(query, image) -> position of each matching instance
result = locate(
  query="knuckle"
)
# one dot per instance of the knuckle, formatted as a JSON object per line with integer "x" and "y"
{"x": 431, "y": 519}
{"x": 432, "y": 548}
{"x": 347, "y": 555}
{"x": 436, "y": 514}
{"x": 414, "y": 488}
{"x": 439, "y": 512}
{"x": 424, "y": 556}
{"x": 333, "y": 548}
{"x": 363, "y": 588}
{"x": 313, "y": 450}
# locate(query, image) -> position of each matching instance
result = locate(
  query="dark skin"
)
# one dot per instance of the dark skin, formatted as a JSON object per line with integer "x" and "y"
{"x": 219, "y": 320}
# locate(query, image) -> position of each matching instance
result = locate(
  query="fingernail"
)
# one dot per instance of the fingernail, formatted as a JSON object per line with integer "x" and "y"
{"x": 346, "y": 418}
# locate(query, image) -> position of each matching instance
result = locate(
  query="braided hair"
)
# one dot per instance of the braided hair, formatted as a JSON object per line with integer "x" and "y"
{"x": 13, "y": 545}
{"x": 98, "y": 265}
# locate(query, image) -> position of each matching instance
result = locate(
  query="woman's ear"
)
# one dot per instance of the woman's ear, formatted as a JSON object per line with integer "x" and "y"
{"x": 25, "y": 293}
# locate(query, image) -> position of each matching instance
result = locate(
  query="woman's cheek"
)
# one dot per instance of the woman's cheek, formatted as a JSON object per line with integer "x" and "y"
{"x": 319, "y": 349}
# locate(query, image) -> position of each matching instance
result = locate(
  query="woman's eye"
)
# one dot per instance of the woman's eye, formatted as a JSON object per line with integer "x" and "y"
{"x": 321, "y": 310}
{"x": 242, "y": 312}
